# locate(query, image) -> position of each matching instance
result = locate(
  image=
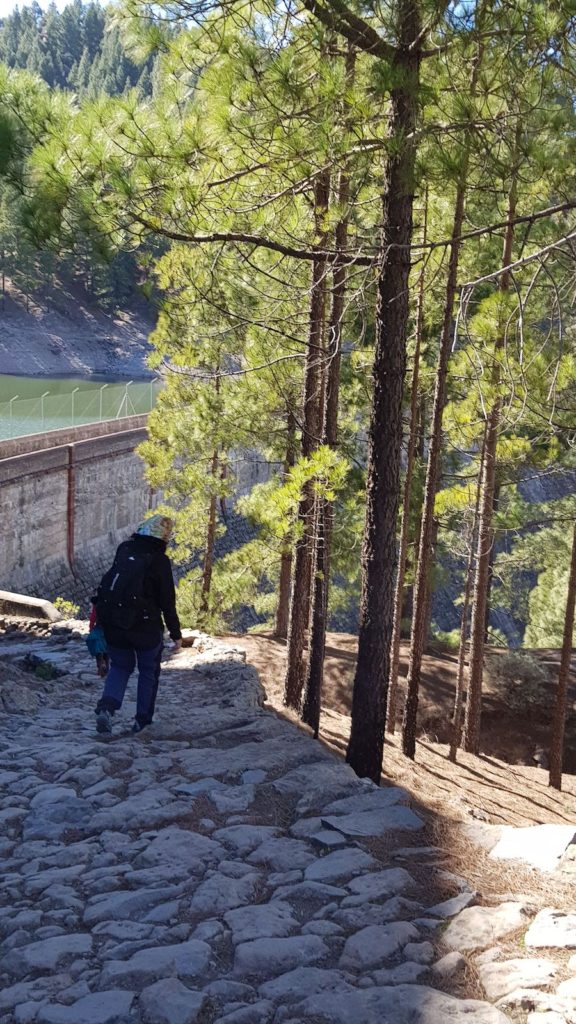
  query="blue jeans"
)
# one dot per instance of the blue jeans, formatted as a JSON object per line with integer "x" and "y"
{"x": 122, "y": 664}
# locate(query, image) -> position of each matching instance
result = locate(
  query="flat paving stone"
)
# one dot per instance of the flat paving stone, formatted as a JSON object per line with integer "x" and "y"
{"x": 340, "y": 865}
{"x": 407, "y": 973}
{"x": 255, "y": 1013}
{"x": 98, "y": 1008}
{"x": 372, "y": 946}
{"x": 398, "y": 1004}
{"x": 187, "y": 960}
{"x": 127, "y": 904}
{"x": 374, "y": 823}
{"x": 480, "y": 927}
{"x": 170, "y": 1002}
{"x": 552, "y": 929}
{"x": 453, "y": 906}
{"x": 500, "y": 978}
{"x": 273, "y": 920}
{"x": 354, "y": 918}
{"x": 325, "y": 775}
{"x": 367, "y": 799}
{"x": 268, "y": 957}
{"x": 221, "y": 893}
{"x": 302, "y": 982}
{"x": 245, "y": 838}
{"x": 283, "y": 855}
{"x": 310, "y": 892}
{"x": 46, "y": 954}
{"x": 180, "y": 847}
{"x": 378, "y": 885}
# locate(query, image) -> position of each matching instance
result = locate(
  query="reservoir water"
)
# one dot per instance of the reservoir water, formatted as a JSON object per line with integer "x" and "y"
{"x": 31, "y": 405}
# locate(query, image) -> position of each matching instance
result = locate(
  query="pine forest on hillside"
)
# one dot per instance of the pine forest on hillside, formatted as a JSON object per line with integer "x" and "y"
{"x": 361, "y": 222}
{"x": 78, "y": 49}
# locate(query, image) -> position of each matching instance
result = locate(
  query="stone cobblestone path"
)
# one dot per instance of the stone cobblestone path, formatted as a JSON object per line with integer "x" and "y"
{"x": 220, "y": 867}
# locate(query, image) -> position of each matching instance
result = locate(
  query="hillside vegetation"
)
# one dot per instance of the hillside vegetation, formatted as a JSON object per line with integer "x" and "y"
{"x": 79, "y": 50}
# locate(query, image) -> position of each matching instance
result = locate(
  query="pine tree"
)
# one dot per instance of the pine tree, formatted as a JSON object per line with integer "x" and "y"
{"x": 365, "y": 747}
{"x": 558, "y": 725}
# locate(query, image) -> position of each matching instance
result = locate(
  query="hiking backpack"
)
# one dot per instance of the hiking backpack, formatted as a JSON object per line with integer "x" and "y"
{"x": 120, "y": 598}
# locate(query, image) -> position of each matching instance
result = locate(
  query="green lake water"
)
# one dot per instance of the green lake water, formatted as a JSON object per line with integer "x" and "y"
{"x": 31, "y": 405}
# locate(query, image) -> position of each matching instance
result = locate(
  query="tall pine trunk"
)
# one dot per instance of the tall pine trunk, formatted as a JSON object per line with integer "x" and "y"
{"x": 457, "y": 713}
{"x": 314, "y": 675}
{"x": 406, "y": 502}
{"x": 325, "y": 510}
{"x": 366, "y": 743}
{"x": 283, "y": 607}
{"x": 422, "y": 602}
{"x": 210, "y": 540}
{"x": 485, "y": 533}
{"x": 495, "y": 506}
{"x": 559, "y": 721}
{"x": 460, "y": 674}
{"x": 311, "y": 431}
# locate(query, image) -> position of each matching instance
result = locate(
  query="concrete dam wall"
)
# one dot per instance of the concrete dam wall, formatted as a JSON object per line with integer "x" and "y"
{"x": 69, "y": 497}
{"x": 65, "y": 508}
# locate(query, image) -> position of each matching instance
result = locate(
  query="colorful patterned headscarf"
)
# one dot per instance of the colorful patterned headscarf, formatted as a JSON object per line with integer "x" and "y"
{"x": 157, "y": 526}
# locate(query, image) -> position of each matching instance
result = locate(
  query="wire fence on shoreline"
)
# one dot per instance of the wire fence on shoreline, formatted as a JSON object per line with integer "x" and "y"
{"x": 22, "y": 416}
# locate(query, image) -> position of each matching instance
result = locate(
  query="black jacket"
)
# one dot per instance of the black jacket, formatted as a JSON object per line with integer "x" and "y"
{"x": 160, "y": 598}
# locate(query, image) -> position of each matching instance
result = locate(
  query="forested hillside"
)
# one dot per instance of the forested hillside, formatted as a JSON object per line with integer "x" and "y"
{"x": 78, "y": 49}
{"x": 361, "y": 221}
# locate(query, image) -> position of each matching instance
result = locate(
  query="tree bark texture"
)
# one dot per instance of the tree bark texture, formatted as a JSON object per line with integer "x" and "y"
{"x": 559, "y": 720}
{"x": 406, "y": 501}
{"x": 421, "y": 612}
{"x": 313, "y": 684}
{"x": 210, "y": 539}
{"x": 282, "y": 610}
{"x": 283, "y": 607}
{"x": 366, "y": 743}
{"x": 459, "y": 694}
{"x": 420, "y": 616}
{"x": 429, "y": 592}
{"x": 460, "y": 674}
{"x": 325, "y": 510}
{"x": 485, "y": 533}
{"x": 495, "y": 506}
{"x": 311, "y": 432}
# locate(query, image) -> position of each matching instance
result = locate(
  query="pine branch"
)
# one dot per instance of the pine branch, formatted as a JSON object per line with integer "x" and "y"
{"x": 519, "y": 263}
{"x": 529, "y": 218}
{"x": 262, "y": 241}
{"x": 257, "y": 240}
{"x": 339, "y": 18}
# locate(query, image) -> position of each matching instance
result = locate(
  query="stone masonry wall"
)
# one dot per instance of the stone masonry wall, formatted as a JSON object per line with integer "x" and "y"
{"x": 64, "y": 510}
{"x": 67, "y": 499}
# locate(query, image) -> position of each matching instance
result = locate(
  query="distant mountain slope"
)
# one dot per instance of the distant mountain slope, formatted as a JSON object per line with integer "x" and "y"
{"x": 64, "y": 332}
{"x": 67, "y": 307}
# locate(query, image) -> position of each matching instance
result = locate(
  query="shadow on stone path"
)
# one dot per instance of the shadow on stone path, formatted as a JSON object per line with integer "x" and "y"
{"x": 220, "y": 867}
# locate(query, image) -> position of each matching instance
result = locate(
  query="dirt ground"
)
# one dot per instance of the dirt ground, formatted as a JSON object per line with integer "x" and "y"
{"x": 488, "y": 788}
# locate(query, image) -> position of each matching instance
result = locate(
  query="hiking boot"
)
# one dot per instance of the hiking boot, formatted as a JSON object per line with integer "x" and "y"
{"x": 138, "y": 726}
{"x": 104, "y": 722}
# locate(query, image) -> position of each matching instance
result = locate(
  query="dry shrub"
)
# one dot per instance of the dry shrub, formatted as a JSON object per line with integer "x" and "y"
{"x": 520, "y": 680}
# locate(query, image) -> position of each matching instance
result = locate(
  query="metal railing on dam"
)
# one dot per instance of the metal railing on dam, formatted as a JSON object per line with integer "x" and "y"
{"x": 21, "y": 416}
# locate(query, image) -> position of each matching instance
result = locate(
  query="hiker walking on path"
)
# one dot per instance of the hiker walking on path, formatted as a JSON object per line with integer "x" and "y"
{"x": 132, "y": 599}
